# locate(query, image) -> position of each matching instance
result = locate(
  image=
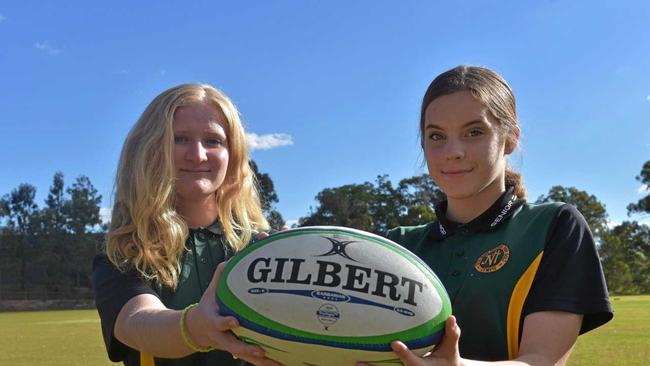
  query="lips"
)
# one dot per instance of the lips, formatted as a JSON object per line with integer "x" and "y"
{"x": 455, "y": 172}
{"x": 195, "y": 170}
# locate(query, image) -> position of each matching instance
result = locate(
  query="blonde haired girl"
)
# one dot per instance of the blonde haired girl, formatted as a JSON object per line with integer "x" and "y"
{"x": 185, "y": 200}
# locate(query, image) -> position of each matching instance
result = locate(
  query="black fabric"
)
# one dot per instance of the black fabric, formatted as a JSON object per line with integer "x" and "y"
{"x": 570, "y": 277}
{"x": 113, "y": 289}
{"x": 495, "y": 215}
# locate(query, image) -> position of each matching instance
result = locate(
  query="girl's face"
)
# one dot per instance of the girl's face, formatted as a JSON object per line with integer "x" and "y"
{"x": 464, "y": 146}
{"x": 200, "y": 151}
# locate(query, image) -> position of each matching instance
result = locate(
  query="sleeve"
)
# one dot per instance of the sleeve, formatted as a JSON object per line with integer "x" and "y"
{"x": 570, "y": 277}
{"x": 113, "y": 289}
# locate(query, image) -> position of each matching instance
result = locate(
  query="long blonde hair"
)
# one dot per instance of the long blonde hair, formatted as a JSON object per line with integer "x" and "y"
{"x": 146, "y": 232}
{"x": 491, "y": 90}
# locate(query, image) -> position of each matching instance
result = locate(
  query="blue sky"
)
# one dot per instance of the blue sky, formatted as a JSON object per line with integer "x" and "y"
{"x": 331, "y": 87}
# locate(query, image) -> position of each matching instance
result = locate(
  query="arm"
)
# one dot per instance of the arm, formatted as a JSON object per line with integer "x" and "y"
{"x": 547, "y": 339}
{"x": 145, "y": 324}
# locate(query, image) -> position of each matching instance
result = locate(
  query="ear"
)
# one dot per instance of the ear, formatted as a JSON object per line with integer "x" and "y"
{"x": 512, "y": 140}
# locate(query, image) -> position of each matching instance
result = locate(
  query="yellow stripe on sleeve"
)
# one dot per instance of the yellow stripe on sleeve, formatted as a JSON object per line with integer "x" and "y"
{"x": 146, "y": 360}
{"x": 516, "y": 305}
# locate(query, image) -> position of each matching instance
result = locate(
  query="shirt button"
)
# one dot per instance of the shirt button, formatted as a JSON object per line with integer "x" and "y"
{"x": 204, "y": 260}
{"x": 463, "y": 230}
{"x": 200, "y": 236}
{"x": 455, "y": 273}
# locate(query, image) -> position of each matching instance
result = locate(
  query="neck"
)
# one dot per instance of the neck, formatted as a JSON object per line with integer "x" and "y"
{"x": 198, "y": 213}
{"x": 466, "y": 209}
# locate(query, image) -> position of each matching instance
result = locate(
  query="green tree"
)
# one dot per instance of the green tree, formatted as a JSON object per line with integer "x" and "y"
{"x": 643, "y": 205}
{"x": 588, "y": 205}
{"x": 419, "y": 195}
{"x": 348, "y": 205}
{"x": 625, "y": 253}
{"x": 268, "y": 197}
{"x": 54, "y": 213}
{"x": 82, "y": 210}
{"x": 384, "y": 206}
{"x": 23, "y": 219}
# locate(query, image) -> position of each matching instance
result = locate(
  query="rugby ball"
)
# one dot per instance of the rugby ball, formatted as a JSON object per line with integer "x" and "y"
{"x": 332, "y": 296}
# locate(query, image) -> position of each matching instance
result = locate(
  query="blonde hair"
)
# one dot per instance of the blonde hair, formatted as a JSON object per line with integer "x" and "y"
{"x": 493, "y": 91}
{"x": 146, "y": 232}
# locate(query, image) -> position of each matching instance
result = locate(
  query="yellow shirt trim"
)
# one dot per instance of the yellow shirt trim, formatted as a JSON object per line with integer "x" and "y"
{"x": 517, "y": 299}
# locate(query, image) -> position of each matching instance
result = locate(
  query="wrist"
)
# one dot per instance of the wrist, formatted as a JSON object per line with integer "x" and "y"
{"x": 188, "y": 337}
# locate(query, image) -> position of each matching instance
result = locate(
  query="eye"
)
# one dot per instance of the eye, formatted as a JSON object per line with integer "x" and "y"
{"x": 180, "y": 140}
{"x": 435, "y": 136}
{"x": 474, "y": 133}
{"x": 213, "y": 142}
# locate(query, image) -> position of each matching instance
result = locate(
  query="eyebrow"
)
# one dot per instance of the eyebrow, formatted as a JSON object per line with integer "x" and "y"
{"x": 466, "y": 124}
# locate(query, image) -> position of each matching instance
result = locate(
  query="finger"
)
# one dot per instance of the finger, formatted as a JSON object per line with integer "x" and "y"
{"x": 261, "y": 235}
{"x": 448, "y": 347}
{"x": 215, "y": 279}
{"x": 225, "y": 323}
{"x": 239, "y": 349}
{"x": 407, "y": 357}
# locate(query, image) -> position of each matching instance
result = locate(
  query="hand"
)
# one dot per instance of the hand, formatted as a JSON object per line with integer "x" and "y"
{"x": 265, "y": 234}
{"x": 207, "y": 328}
{"x": 445, "y": 353}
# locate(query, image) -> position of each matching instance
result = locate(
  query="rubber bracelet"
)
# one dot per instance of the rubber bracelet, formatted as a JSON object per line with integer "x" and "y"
{"x": 188, "y": 341}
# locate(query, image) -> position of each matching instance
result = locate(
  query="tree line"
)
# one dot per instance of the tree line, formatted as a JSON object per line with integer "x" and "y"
{"x": 49, "y": 249}
{"x": 47, "y": 252}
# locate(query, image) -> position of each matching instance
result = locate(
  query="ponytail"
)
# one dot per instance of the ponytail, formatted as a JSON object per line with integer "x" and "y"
{"x": 515, "y": 180}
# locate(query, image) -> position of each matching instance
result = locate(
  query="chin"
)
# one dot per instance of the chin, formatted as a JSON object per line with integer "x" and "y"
{"x": 195, "y": 191}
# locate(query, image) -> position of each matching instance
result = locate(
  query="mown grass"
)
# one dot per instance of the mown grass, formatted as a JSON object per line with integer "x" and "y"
{"x": 624, "y": 341}
{"x": 67, "y": 337}
{"x": 74, "y": 338}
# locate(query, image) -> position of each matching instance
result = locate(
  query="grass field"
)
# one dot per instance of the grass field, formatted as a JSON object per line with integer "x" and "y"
{"x": 73, "y": 338}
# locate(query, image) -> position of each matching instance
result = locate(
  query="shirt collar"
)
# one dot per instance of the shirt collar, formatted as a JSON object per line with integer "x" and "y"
{"x": 214, "y": 228}
{"x": 498, "y": 213}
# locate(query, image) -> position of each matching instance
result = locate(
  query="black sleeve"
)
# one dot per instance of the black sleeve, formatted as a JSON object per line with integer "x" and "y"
{"x": 570, "y": 277}
{"x": 113, "y": 289}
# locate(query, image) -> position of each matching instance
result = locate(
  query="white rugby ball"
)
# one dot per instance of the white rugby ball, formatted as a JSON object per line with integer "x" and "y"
{"x": 332, "y": 296}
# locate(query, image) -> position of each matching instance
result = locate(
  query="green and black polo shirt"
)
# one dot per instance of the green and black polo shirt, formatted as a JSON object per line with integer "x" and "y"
{"x": 513, "y": 260}
{"x": 113, "y": 289}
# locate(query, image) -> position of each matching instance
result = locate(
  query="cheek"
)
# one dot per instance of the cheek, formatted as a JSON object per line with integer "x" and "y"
{"x": 177, "y": 155}
{"x": 220, "y": 160}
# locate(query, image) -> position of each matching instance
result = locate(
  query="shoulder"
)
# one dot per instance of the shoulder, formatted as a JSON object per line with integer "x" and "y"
{"x": 409, "y": 236}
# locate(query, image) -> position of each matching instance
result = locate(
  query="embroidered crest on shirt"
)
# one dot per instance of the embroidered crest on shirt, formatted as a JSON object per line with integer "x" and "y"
{"x": 493, "y": 259}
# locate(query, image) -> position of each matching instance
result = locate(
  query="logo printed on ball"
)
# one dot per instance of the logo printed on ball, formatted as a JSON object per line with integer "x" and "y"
{"x": 331, "y": 274}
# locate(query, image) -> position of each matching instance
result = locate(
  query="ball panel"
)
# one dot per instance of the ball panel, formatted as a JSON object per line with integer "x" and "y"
{"x": 291, "y": 353}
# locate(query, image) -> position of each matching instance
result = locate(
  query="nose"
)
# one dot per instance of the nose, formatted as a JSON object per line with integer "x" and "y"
{"x": 196, "y": 152}
{"x": 454, "y": 150}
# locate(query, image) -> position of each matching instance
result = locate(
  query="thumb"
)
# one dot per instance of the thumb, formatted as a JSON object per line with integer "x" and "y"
{"x": 211, "y": 291}
{"x": 405, "y": 355}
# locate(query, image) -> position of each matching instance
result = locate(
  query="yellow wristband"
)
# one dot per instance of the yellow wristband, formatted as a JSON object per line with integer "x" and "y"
{"x": 186, "y": 337}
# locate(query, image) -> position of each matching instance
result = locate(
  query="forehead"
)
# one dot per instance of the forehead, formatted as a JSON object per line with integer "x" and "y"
{"x": 456, "y": 108}
{"x": 202, "y": 116}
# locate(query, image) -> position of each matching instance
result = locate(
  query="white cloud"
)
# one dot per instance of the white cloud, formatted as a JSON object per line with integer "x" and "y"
{"x": 105, "y": 214}
{"x": 2, "y": 18}
{"x": 46, "y": 47}
{"x": 270, "y": 141}
{"x": 642, "y": 189}
{"x": 648, "y": 98}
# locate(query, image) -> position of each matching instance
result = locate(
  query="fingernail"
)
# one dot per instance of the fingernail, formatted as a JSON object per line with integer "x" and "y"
{"x": 258, "y": 353}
